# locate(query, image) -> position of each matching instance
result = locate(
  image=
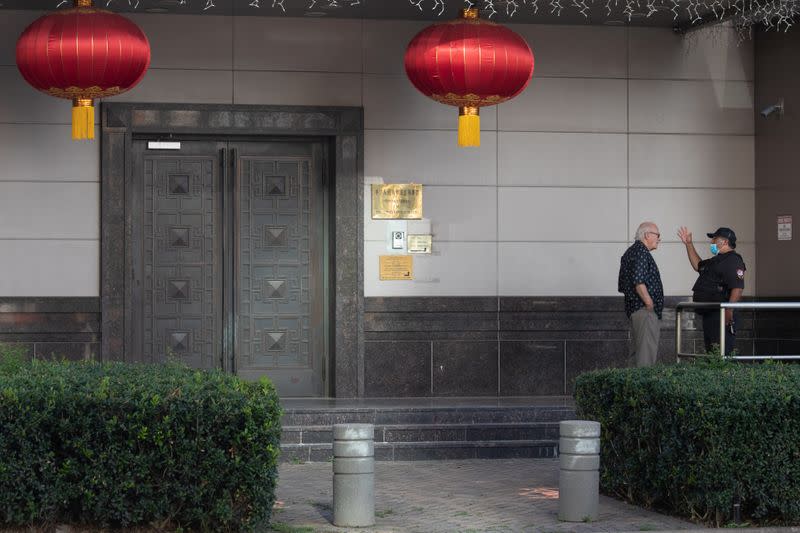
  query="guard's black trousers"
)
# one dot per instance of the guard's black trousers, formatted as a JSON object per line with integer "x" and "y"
{"x": 711, "y": 331}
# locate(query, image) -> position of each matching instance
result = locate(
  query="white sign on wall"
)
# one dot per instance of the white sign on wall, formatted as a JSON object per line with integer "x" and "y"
{"x": 785, "y": 228}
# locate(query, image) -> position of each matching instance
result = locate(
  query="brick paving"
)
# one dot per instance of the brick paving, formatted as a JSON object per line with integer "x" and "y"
{"x": 500, "y": 496}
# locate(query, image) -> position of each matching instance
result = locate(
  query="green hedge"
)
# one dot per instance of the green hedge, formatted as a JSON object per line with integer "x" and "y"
{"x": 136, "y": 445}
{"x": 691, "y": 439}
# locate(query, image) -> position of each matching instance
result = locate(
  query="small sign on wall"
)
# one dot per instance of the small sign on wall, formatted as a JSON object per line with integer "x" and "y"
{"x": 785, "y": 227}
{"x": 396, "y": 267}
{"x": 419, "y": 244}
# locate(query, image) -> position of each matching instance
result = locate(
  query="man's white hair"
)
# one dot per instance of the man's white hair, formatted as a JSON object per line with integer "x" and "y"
{"x": 643, "y": 228}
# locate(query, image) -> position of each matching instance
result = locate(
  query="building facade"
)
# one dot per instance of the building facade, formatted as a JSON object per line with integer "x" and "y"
{"x": 619, "y": 125}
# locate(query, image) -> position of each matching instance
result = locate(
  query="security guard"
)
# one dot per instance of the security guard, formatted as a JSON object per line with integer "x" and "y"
{"x": 721, "y": 279}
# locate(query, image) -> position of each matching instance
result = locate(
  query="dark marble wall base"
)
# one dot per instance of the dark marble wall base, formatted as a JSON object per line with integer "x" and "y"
{"x": 52, "y": 328}
{"x": 523, "y": 346}
{"x": 418, "y": 347}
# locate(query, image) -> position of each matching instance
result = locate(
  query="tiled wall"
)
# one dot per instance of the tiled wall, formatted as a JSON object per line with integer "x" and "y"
{"x": 618, "y": 125}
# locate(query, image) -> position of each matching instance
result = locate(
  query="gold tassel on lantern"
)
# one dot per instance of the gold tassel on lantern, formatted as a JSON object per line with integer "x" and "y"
{"x": 469, "y": 126}
{"x": 82, "y": 119}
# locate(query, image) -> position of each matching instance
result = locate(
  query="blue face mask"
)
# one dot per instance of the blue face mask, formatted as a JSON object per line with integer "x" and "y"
{"x": 714, "y": 248}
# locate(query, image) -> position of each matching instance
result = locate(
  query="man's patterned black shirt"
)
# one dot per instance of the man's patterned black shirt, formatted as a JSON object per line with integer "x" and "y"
{"x": 638, "y": 266}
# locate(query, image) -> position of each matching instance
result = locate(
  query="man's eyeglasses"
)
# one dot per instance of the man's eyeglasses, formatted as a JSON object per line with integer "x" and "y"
{"x": 658, "y": 235}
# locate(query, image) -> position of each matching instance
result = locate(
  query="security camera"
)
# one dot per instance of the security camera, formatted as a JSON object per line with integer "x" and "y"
{"x": 774, "y": 108}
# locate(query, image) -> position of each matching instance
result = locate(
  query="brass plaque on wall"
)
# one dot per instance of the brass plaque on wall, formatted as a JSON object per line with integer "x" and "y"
{"x": 397, "y": 201}
{"x": 396, "y": 267}
{"x": 419, "y": 244}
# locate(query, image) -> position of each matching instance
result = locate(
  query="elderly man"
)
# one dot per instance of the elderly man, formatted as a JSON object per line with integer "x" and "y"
{"x": 640, "y": 282}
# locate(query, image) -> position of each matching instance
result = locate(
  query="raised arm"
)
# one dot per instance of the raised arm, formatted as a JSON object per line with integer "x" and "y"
{"x": 686, "y": 238}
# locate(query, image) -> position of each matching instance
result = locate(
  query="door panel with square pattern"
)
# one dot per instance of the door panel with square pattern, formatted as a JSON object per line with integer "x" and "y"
{"x": 226, "y": 259}
{"x": 280, "y": 240}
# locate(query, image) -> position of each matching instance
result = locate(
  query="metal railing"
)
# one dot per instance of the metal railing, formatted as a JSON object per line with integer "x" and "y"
{"x": 722, "y": 308}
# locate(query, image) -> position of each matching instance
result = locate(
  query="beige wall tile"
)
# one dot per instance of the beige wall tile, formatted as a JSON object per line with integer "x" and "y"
{"x": 429, "y": 157}
{"x": 50, "y": 268}
{"x": 462, "y": 213}
{"x": 691, "y": 107}
{"x": 294, "y": 44}
{"x": 182, "y": 86}
{"x": 563, "y": 159}
{"x": 22, "y": 149}
{"x": 297, "y": 88}
{"x": 197, "y": 42}
{"x": 700, "y": 210}
{"x": 567, "y": 104}
{"x": 692, "y": 161}
{"x": 36, "y": 210}
{"x": 559, "y": 269}
{"x": 562, "y": 214}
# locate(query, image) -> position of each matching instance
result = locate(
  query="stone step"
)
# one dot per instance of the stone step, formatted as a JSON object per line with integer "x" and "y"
{"x": 530, "y": 431}
{"x": 424, "y": 415}
{"x": 417, "y": 451}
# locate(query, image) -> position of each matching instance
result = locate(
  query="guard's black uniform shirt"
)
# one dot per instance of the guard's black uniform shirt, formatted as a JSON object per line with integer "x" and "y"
{"x": 718, "y": 275}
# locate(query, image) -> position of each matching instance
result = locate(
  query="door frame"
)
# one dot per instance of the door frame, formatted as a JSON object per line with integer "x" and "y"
{"x": 342, "y": 126}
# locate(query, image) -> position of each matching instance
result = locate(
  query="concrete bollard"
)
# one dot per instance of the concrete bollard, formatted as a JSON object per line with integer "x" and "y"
{"x": 353, "y": 475}
{"x": 579, "y": 474}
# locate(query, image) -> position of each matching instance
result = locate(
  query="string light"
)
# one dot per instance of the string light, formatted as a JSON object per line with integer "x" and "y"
{"x": 778, "y": 15}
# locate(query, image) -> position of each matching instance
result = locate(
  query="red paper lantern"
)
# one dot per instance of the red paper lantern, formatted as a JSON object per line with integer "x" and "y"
{"x": 469, "y": 63}
{"x": 81, "y": 54}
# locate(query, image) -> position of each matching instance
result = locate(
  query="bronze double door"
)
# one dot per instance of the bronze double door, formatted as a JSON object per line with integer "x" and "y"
{"x": 228, "y": 258}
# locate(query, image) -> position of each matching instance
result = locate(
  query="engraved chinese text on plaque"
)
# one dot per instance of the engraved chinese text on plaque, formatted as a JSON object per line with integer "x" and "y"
{"x": 397, "y": 201}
